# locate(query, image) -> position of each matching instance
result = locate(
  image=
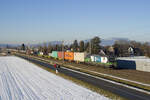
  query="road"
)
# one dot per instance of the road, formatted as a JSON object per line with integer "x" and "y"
{"x": 122, "y": 91}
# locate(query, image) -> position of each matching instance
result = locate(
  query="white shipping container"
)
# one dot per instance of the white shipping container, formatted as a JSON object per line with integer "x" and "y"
{"x": 104, "y": 59}
{"x": 50, "y": 54}
{"x": 93, "y": 58}
{"x": 79, "y": 56}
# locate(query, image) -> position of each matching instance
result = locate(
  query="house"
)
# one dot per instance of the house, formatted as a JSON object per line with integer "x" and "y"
{"x": 131, "y": 51}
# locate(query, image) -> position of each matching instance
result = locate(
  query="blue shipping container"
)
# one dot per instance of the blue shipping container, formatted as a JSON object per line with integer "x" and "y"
{"x": 97, "y": 59}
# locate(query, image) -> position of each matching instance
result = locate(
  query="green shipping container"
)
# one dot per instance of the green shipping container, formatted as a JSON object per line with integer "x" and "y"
{"x": 87, "y": 59}
{"x": 54, "y": 54}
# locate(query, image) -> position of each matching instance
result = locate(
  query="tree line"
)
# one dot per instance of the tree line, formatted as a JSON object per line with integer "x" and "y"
{"x": 93, "y": 46}
{"x": 140, "y": 49}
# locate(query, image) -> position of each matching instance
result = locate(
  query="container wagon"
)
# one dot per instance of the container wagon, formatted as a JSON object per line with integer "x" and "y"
{"x": 69, "y": 56}
{"x": 79, "y": 57}
{"x": 60, "y": 55}
{"x": 54, "y": 54}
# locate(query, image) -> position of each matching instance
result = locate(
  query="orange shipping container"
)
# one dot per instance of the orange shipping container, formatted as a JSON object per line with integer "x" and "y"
{"x": 69, "y": 56}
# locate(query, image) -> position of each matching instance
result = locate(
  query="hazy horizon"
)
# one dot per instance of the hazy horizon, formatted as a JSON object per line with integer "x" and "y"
{"x": 38, "y": 21}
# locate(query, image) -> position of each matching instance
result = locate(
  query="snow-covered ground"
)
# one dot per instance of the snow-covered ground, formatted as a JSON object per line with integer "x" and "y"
{"x": 21, "y": 80}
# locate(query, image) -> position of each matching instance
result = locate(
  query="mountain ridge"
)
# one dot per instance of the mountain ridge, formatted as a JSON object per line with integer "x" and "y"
{"x": 104, "y": 42}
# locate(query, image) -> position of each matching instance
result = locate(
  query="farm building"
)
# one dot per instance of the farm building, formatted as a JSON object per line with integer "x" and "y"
{"x": 140, "y": 63}
{"x": 29, "y": 51}
{"x": 50, "y": 54}
{"x": 40, "y": 53}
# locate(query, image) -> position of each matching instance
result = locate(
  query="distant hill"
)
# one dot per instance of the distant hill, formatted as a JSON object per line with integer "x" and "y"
{"x": 9, "y": 45}
{"x": 104, "y": 42}
{"x": 111, "y": 41}
{"x": 2, "y": 45}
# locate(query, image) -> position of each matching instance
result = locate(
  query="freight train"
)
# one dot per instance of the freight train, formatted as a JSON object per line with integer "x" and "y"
{"x": 77, "y": 56}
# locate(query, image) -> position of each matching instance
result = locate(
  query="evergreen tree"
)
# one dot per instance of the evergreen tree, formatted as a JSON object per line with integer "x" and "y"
{"x": 40, "y": 48}
{"x": 95, "y": 45}
{"x": 86, "y": 47}
{"x": 75, "y": 46}
{"x": 81, "y": 46}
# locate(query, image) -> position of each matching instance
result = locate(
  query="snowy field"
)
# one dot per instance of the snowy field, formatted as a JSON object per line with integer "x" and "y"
{"x": 21, "y": 80}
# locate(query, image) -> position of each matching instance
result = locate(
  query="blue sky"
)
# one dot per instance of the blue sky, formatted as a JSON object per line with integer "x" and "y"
{"x": 34, "y": 21}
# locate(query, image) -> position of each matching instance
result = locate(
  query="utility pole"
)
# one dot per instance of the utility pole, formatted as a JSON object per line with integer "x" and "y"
{"x": 63, "y": 51}
{"x": 90, "y": 47}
